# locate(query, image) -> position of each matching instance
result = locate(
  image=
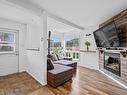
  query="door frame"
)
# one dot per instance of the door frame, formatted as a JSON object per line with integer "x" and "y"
{"x": 44, "y": 39}
{"x": 16, "y": 52}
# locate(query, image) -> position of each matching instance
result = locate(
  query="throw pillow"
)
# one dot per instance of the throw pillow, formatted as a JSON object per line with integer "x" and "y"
{"x": 54, "y": 57}
{"x": 60, "y": 56}
{"x": 49, "y": 64}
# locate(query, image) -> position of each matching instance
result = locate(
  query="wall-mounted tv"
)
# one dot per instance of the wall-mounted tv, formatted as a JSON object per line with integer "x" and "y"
{"x": 107, "y": 36}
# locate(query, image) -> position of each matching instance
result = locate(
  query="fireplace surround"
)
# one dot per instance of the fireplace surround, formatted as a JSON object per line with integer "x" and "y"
{"x": 112, "y": 63}
{"x": 120, "y": 76}
{"x": 120, "y": 21}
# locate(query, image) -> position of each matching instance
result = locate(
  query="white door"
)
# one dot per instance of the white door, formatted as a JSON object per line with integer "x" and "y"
{"x": 9, "y": 51}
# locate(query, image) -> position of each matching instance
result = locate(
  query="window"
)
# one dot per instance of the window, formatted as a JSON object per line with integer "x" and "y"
{"x": 55, "y": 44}
{"x": 72, "y": 44}
{"x": 7, "y": 41}
{"x": 72, "y": 47}
{"x": 73, "y": 54}
{"x": 77, "y": 55}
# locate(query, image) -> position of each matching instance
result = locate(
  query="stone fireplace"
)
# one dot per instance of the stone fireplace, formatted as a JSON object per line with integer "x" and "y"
{"x": 112, "y": 63}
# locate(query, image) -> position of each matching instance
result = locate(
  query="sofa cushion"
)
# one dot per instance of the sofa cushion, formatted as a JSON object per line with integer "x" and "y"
{"x": 49, "y": 64}
{"x": 65, "y": 62}
{"x": 59, "y": 69}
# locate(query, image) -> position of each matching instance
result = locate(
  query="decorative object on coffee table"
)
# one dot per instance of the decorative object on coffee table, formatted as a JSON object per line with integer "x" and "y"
{"x": 87, "y": 45}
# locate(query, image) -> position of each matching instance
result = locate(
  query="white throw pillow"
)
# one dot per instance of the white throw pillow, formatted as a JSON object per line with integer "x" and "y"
{"x": 54, "y": 57}
{"x": 60, "y": 56}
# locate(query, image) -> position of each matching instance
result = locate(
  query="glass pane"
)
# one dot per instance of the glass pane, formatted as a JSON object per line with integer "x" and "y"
{"x": 73, "y": 55}
{"x": 6, "y": 48}
{"x": 55, "y": 45}
{"x": 77, "y": 55}
{"x": 72, "y": 42}
{"x": 6, "y": 37}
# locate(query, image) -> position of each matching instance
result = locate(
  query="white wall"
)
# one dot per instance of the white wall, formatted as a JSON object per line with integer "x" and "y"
{"x": 29, "y": 37}
{"x": 34, "y": 62}
{"x": 88, "y": 59}
{"x": 35, "y": 59}
{"x": 4, "y": 23}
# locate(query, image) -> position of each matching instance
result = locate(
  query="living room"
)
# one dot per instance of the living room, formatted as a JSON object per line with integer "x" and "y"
{"x": 88, "y": 59}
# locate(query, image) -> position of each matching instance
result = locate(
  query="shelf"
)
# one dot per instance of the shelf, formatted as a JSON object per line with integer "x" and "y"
{"x": 33, "y": 49}
{"x": 87, "y": 51}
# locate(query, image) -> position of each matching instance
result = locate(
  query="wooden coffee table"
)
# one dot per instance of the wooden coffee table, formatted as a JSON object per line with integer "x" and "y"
{"x": 59, "y": 75}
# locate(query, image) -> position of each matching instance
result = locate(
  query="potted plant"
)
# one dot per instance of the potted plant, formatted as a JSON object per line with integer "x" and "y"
{"x": 87, "y": 45}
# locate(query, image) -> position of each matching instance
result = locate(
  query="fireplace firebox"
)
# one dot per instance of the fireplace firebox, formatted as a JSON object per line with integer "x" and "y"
{"x": 112, "y": 63}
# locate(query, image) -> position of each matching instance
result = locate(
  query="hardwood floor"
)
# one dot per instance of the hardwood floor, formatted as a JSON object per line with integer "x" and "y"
{"x": 18, "y": 84}
{"x": 85, "y": 82}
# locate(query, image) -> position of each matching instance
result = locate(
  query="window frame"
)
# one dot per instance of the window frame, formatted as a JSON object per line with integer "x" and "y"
{"x": 7, "y": 43}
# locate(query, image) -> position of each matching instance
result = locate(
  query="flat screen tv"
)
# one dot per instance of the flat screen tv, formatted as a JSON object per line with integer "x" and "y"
{"x": 107, "y": 36}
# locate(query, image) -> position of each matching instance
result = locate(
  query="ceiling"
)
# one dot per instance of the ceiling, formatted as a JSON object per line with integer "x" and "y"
{"x": 16, "y": 13}
{"x": 83, "y": 12}
{"x": 59, "y": 27}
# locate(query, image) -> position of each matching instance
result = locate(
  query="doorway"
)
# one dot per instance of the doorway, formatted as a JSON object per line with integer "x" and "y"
{"x": 9, "y": 51}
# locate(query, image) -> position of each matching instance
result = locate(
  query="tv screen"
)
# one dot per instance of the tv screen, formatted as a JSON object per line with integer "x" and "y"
{"x": 107, "y": 36}
{"x": 100, "y": 39}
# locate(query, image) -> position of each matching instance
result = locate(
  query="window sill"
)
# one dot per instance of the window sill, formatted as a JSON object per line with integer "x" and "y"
{"x": 2, "y": 53}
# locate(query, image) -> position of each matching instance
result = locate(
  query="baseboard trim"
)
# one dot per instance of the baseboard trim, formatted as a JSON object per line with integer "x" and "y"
{"x": 43, "y": 84}
{"x": 124, "y": 86}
